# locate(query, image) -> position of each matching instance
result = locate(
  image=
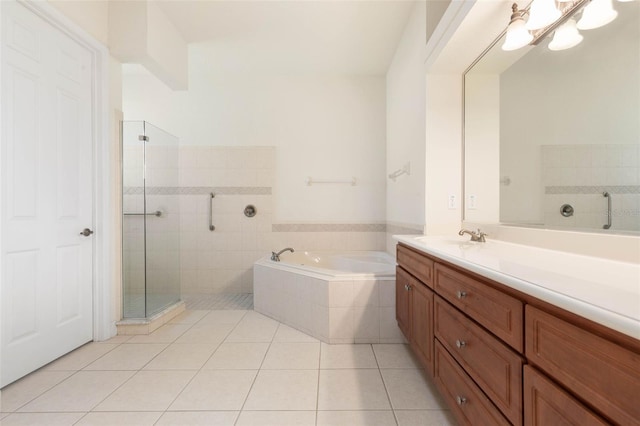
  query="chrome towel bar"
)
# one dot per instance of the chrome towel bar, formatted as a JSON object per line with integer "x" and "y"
{"x": 157, "y": 213}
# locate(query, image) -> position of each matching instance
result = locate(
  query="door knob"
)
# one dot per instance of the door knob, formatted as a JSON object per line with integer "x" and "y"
{"x": 86, "y": 232}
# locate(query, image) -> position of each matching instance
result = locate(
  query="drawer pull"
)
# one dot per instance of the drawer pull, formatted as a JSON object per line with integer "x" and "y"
{"x": 461, "y": 294}
{"x": 461, "y": 344}
{"x": 461, "y": 400}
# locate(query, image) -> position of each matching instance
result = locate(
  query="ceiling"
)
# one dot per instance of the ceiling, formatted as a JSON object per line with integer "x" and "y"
{"x": 328, "y": 36}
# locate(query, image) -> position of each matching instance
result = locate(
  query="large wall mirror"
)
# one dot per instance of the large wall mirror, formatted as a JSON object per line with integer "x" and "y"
{"x": 552, "y": 138}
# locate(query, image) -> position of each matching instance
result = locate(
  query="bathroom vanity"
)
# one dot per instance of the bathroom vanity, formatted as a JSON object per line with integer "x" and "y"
{"x": 517, "y": 335}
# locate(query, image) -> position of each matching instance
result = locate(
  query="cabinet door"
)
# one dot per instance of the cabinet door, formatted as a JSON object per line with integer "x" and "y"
{"x": 468, "y": 403}
{"x": 422, "y": 324}
{"x": 547, "y": 404}
{"x": 594, "y": 369}
{"x": 403, "y": 281}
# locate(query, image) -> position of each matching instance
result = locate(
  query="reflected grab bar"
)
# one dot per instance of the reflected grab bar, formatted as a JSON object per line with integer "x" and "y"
{"x": 608, "y": 197}
{"x": 157, "y": 213}
{"x": 211, "y": 197}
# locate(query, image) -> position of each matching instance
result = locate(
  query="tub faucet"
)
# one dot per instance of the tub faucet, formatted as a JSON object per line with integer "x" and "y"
{"x": 276, "y": 256}
{"x": 477, "y": 236}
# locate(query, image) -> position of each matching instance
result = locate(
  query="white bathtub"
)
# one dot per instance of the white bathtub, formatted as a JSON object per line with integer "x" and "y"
{"x": 336, "y": 297}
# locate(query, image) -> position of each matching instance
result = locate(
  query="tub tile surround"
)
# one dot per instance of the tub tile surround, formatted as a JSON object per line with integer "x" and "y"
{"x": 226, "y": 382}
{"x": 336, "y": 311}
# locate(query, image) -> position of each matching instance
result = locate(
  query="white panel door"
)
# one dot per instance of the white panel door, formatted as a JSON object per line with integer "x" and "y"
{"x": 47, "y": 199}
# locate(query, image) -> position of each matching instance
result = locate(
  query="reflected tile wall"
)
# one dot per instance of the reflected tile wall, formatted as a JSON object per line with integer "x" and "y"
{"x": 579, "y": 174}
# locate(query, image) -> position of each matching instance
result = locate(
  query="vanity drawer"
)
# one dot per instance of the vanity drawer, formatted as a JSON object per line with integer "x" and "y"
{"x": 420, "y": 266}
{"x": 501, "y": 314}
{"x": 547, "y": 404}
{"x": 596, "y": 370}
{"x": 492, "y": 365}
{"x": 468, "y": 403}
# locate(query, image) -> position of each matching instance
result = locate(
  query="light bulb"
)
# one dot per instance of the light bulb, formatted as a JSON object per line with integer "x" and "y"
{"x": 517, "y": 35}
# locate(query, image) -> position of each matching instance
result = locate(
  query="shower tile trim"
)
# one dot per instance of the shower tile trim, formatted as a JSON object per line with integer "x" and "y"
{"x": 613, "y": 189}
{"x": 198, "y": 190}
{"x": 329, "y": 227}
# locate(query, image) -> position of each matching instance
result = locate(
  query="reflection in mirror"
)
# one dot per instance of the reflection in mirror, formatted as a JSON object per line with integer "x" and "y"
{"x": 548, "y": 128}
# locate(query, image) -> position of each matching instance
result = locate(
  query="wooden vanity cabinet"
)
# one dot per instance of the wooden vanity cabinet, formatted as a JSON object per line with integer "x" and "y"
{"x": 547, "y": 404}
{"x": 605, "y": 375}
{"x": 501, "y": 356}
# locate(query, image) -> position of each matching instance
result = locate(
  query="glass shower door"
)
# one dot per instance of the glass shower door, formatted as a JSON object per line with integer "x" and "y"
{"x": 151, "y": 220}
{"x": 133, "y": 232}
{"x": 162, "y": 208}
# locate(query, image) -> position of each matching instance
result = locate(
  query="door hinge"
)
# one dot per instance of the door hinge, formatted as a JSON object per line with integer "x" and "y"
{"x": 143, "y": 138}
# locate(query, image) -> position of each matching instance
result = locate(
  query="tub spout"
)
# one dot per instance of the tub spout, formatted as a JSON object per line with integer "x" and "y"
{"x": 276, "y": 256}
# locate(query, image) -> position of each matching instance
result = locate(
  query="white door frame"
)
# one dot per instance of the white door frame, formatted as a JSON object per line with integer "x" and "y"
{"x": 103, "y": 214}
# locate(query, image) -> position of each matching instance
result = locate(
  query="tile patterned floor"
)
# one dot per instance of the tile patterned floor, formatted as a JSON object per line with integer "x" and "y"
{"x": 226, "y": 367}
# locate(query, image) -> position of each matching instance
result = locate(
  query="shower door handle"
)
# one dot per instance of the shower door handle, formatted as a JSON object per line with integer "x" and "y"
{"x": 608, "y": 197}
{"x": 211, "y": 197}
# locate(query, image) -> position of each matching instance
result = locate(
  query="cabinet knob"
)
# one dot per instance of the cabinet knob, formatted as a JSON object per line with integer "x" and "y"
{"x": 461, "y": 344}
{"x": 461, "y": 400}
{"x": 461, "y": 294}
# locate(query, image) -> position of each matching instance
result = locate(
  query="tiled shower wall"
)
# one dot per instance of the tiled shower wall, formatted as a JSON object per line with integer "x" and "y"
{"x": 579, "y": 174}
{"x": 221, "y": 261}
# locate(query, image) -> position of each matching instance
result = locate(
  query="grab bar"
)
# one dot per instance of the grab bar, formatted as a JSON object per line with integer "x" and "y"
{"x": 211, "y": 197}
{"x": 157, "y": 213}
{"x": 608, "y": 197}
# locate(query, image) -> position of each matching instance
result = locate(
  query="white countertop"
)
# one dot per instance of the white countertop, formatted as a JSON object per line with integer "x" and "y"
{"x": 604, "y": 291}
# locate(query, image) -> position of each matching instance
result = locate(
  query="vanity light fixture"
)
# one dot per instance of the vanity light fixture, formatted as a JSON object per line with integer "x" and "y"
{"x": 517, "y": 35}
{"x": 547, "y": 16}
{"x": 597, "y": 14}
{"x": 542, "y": 13}
{"x": 566, "y": 36}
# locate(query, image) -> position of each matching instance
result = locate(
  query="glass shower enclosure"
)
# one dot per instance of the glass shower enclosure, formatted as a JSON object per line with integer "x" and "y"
{"x": 150, "y": 221}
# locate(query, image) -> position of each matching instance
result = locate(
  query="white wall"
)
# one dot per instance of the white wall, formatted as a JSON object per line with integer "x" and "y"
{"x": 323, "y": 126}
{"x": 91, "y": 16}
{"x": 482, "y": 147}
{"x": 406, "y": 124}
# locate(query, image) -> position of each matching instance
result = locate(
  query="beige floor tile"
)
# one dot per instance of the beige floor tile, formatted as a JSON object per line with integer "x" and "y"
{"x": 357, "y": 389}
{"x": 120, "y": 419}
{"x": 116, "y": 340}
{"x": 284, "y": 390}
{"x": 79, "y": 393}
{"x": 280, "y": 418}
{"x": 254, "y": 327}
{"x": 215, "y": 390}
{"x": 28, "y": 388}
{"x": 189, "y": 317}
{"x": 346, "y": 356}
{"x": 128, "y": 357}
{"x": 198, "y": 418}
{"x": 206, "y": 333}
{"x": 186, "y": 356}
{"x": 289, "y": 334}
{"x": 168, "y": 333}
{"x": 147, "y": 391}
{"x": 43, "y": 419}
{"x": 292, "y": 356}
{"x": 237, "y": 356}
{"x": 425, "y": 418}
{"x": 356, "y": 418}
{"x": 409, "y": 389}
{"x": 81, "y": 357}
{"x": 224, "y": 317}
{"x": 395, "y": 356}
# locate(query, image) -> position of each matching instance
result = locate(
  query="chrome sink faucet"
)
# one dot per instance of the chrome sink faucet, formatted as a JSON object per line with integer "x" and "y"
{"x": 477, "y": 236}
{"x": 276, "y": 256}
